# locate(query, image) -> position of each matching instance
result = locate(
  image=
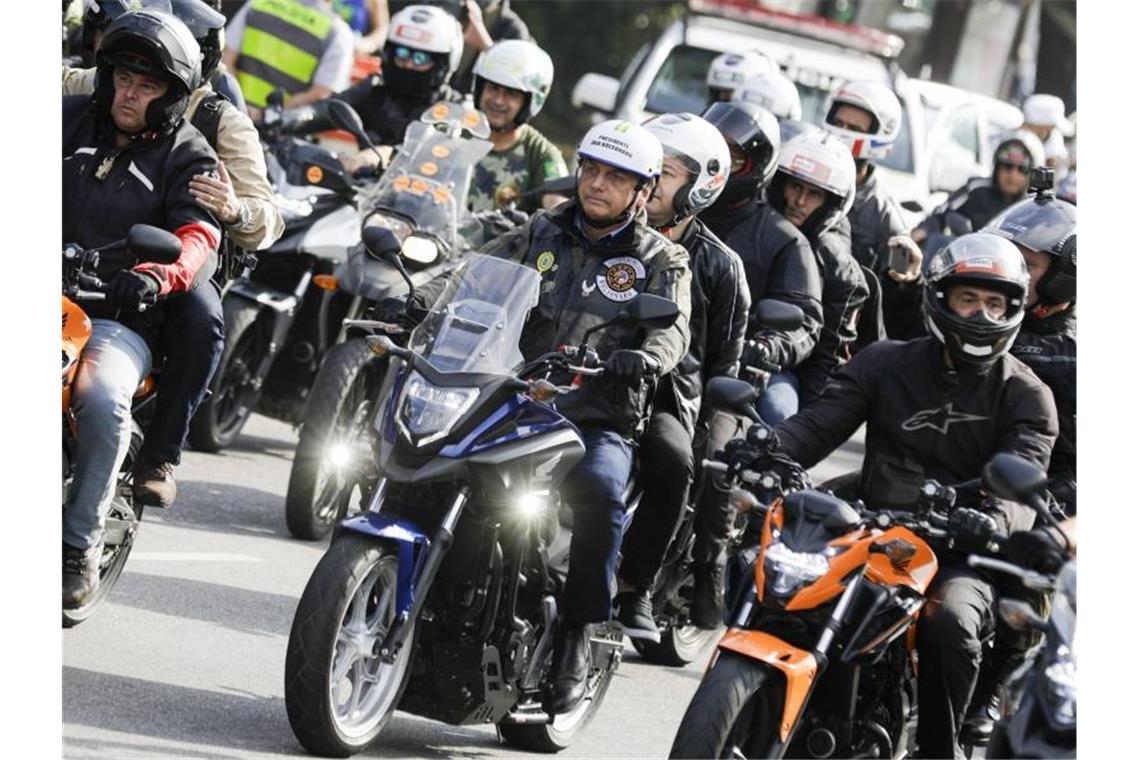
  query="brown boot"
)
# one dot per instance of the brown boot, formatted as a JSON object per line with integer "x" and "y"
{"x": 154, "y": 484}
{"x": 80, "y": 574}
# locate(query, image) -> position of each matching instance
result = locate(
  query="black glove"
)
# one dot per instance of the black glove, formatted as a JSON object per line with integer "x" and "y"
{"x": 628, "y": 366}
{"x": 971, "y": 530}
{"x": 127, "y": 289}
{"x": 1035, "y": 550}
{"x": 502, "y": 221}
{"x": 394, "y": 310}
{"x": 756, "y": 354}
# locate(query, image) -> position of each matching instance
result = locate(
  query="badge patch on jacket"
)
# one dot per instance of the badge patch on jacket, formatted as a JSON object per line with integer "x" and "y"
{"x": 939, "y": 419}
{"x": 622, "y": 273}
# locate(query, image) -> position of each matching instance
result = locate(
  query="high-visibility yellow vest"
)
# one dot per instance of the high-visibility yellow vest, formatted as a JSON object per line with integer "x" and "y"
{"x": 280, "y": 48}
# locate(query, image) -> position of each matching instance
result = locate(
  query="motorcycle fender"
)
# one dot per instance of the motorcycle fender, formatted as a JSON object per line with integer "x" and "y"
{"x": 798, "y": 666}
{"x": 408, "y": 540}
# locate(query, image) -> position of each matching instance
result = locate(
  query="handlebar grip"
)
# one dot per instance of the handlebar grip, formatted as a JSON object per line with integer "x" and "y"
{"x": 715, "y": 466}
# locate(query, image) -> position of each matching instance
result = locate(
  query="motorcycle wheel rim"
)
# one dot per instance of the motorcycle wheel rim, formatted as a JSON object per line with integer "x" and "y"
{"x": 229, "y": 412}
{"x": 363, "y": 688}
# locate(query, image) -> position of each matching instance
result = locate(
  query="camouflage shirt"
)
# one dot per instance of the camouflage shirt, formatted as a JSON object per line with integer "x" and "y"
{"x": 502, "y": 176}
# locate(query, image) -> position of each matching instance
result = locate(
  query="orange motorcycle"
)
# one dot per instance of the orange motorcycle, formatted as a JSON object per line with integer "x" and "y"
{"x": 81, "y": 283}
{"x": 819, "y": 659}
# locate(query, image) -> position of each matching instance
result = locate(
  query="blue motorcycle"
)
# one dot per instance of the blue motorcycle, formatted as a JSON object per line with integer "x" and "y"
{"x": 441, "y": 598}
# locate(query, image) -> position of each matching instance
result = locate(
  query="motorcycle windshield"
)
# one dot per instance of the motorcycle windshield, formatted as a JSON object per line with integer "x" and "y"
{"x": 428, "y": 180}
{"x": 476, "y": 322}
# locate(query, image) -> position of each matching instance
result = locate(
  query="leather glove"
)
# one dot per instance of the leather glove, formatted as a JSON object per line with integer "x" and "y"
{"x": 971, "y": 530}
{"x": 1035, "y": 550}
{"x": 756, "y": 354}
{"x": 629, "y": 366}
{"x": 394, "y": 310}
{"x": 127, "y": 289}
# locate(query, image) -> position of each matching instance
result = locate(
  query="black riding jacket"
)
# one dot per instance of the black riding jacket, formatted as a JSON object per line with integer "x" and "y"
{"x": 1049, "y": 347}
{"x": 844, "y": 292}
{"x": 875, "y": 219}
{"x": 719, "y": 318}
{"x": 778, "y": 263}
{"x": 146, "y": 182}
{"x": 926, "y": 421}
{"x": 386, "y": 114}
{"x": 978, "y": 200}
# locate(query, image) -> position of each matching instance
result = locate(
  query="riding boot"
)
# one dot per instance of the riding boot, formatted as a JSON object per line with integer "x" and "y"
{"x": 570, "y": 667}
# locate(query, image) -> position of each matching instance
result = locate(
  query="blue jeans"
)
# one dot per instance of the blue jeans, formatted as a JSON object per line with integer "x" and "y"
{"x": 594, "y": 490}
{"x": 114, "y": 363}
{"x": 781, "y": 399}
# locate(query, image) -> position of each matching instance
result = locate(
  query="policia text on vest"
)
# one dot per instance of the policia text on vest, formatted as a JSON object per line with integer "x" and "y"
{"x": 281, "y": 48}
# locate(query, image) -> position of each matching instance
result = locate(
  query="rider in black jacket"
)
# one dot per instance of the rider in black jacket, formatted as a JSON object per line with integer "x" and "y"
{"x": 814, "y": 188}
{"x": 778, "y": 261}
{"x": 940, "y": 407}
{"x": 981, "y": 199}
{"x": 692, "y": 176}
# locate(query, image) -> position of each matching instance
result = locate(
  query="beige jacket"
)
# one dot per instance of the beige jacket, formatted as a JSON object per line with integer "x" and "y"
{"x": 239, "y": 148}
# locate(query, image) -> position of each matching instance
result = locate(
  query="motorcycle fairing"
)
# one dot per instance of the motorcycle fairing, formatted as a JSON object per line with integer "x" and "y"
{"x": 798, "y": 666}
{"x": 410, "y": 544}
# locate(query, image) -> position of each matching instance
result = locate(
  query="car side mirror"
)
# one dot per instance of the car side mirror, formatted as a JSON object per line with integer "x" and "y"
{"x": 727, "y": 394}
{"x": 648, "y": 310}
{"x": 779, "y": 315}
{"x": 147, "y": 243}
{"x": 596, "y": 91}
{"x": 343, "y": 116}
{"x": 1008, "y": 476}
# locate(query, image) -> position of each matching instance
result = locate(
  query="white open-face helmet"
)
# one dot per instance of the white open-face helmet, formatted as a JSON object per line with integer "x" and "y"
{"x": 818, "y": 158}
{"x": 730, "y": 70}
{"x": 623, "y": 145}
{"x": 773, "y": 92}
{"x": 519, "y": 65}
{"x": 702, "y": 149}
{"x": 876, "y": 99}
{"x": 428, "y": 28}
{"x": 1047, "y": 110}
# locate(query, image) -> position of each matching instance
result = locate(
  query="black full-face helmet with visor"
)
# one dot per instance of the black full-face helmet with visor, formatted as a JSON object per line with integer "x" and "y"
{"x": 756, "y": 132}
{"x": 985, "y": 261}
{"x": 1047, "y": 225}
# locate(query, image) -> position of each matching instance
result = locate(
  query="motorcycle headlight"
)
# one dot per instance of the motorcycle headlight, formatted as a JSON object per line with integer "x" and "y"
{"x": 1059, "y": 689}
{"x": 787, "y": 571}
{"x": 428, "y": 412}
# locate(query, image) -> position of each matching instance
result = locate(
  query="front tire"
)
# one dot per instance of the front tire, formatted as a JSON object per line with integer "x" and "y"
{"x": 338, "y": 410}
{"x": 224, "y": 411}
{"x": 734, "y": 712}
{"x": 679, "y": 645}
{"x": 339, "y": 694}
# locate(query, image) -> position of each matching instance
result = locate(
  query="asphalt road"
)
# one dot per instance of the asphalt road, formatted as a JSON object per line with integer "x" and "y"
{"x": 186, "y": 658}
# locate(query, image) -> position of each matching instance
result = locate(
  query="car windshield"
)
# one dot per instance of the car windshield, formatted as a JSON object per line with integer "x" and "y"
{"x": 680, "y": 85}
{"x": 477, "y": 320}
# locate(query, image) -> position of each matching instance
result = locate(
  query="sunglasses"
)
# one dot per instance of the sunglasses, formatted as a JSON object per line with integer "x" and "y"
{"x": 417, "y": 57}
{"x": 1021, "y": 169}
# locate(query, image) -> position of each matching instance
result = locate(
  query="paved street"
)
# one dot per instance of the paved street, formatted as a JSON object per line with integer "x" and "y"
{"x": 186, "y": 659}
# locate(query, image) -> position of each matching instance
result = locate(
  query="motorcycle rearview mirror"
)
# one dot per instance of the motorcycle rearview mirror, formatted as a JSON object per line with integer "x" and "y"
{"x": 648, "y": 310}
{"x": 147, "y": 243}
{"x": 727, "y": 394}
{"x": 345, "y": 117}
{"x": 383, "y": 244}
{"x": 1008, "y": 476}
{"x": 275, "y": 98}
{"x": 958, "y": 224}
{"x": 779, "y": 315}
{"x": 557, "y": 186}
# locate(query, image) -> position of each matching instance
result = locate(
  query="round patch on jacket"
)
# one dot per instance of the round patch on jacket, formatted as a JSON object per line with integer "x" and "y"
{"x": 622, "y": 273}
{"x": 544, "y": 262}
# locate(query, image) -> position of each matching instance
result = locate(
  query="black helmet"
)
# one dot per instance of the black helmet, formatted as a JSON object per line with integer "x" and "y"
{"x": 757, "y": 132}
{"x": 207, "y": 26}
{"x": 99, "y": 14}
{"x": 987, "y": 261}
{"x": 157, "y": 44}
{"x": 1047, "y": 225}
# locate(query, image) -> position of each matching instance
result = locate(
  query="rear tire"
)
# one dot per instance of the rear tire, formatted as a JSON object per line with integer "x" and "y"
{"x": 318, "y": 496}
{"x": 344, "y": 613}
{"x": 734, "y": 710}
{"x": 679, "y": 646}
{"x": 224, "y": 411}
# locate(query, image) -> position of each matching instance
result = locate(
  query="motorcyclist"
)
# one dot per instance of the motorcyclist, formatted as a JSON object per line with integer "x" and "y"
{"x": 423, "y": 47}
{"x": 778, "y": 261}
{"x": 940, "y": 407}
{"x": 239, "y": 197}
{"x": 512, "y": 82}
{"x": 730, "y": 70}
{"x": 777, "y": 94}
{"x": 594, "y": 253}
{"x": 1045, "y": 117}
{"x": 868, "y": 117}
{"x": 814, "y": 188}
{"x": 981, "y": 199}
{"x": 693, "y": 174}
{"x": 128, "y": 158}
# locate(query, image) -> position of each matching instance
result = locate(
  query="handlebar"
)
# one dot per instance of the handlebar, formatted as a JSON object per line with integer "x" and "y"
{"x": 1033, "y": 581}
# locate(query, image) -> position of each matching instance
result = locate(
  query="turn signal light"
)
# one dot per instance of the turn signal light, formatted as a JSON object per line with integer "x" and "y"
{"x": 542, "y": 390}
{"x": 380, "y": 345}
{"x": 743, "y": 501}
{"x": 325, "y": 281}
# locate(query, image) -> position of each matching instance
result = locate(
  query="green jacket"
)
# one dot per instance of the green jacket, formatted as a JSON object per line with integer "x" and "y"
{"x": 584, "y": 284}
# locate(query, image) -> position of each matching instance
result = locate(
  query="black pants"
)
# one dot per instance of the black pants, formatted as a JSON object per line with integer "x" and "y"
{"x": 714, "y": 515}
{"x": 665, "y": 454}
{"x": 192, "y": 336}
{"x": 960, "y": 613}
